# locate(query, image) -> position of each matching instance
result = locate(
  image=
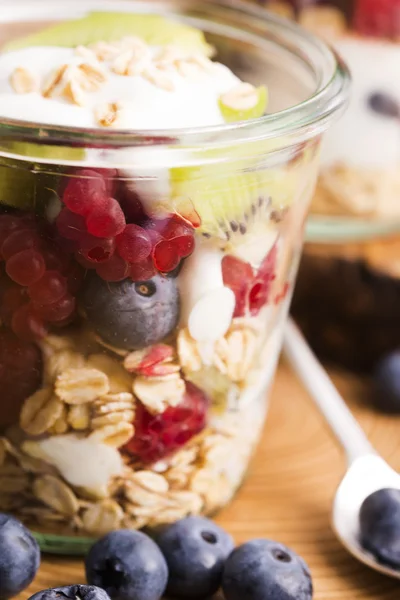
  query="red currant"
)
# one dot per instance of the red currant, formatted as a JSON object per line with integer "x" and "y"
{"x": 85, "y": 192}
{"x": 134, "y": 244}
{"x": 26, "y": 267}
{"x": 184, "y": 245}
{"x": 142, "y": 271}
{"x": 51, "y": 287}
{"x": 166, "y": 256}
{"x": 97, "y": 250}
{"x": 157, "y": 436}
{"x": 18, "y": 240}
{"x": 58, "y": 311}
{"x": 107, "y": 221}
{"x": 114, "y": 269}
{"x": 8, "y": 223}
{"x": 28, "y": 325}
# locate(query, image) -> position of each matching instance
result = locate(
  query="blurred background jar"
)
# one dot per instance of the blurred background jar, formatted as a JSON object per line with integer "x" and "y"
{"x": 347, "y": 297}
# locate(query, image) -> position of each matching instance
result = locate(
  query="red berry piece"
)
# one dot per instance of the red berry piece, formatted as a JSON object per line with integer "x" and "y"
{"x": 134, "y": 244}
{"x": 114, "y": 269}
{"x": 26, "y": 267}
{"x": 107, "y": 221}
{"x": 142, "y": 271}
{"x": 18, "y": 240}
{"x": 85, "y": 192}
{"x": 238, "y": 276}
{"x": 97, "y": 250}
{"x": 157, "y": 436}
{"x": 20, "y": 375}
{"x": 377, "y": 18}
{"x": 27, "y": 324}
{"x": 70, "y": 225}
{"x": 58, "y": 311}
{"x": 166, "y": 256}
{"x": 50, "y": 288}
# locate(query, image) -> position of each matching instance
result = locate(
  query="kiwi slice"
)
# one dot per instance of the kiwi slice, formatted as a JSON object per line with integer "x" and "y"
{"x": 109, "y": 26}
{"x": 232, "y": 115}
{"x": 237, "y": 196}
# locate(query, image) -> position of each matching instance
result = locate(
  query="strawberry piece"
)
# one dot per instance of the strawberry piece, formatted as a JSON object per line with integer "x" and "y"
{"x": 377, "y": 18}
{"x": 260, "y": 291}
{"x": 237, "y": 275}
{"x": 143, "y": 361}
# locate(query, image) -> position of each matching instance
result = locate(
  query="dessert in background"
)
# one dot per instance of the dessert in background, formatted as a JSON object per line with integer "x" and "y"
{"x": 348, "y": 292}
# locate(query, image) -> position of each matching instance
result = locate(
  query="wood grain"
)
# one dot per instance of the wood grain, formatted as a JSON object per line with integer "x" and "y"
{"x": 288, "y": 492}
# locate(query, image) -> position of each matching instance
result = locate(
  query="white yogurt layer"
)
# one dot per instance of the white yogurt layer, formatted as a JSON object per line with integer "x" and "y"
{"x": 362, "y": 138}
{"x": 193, "y": 102}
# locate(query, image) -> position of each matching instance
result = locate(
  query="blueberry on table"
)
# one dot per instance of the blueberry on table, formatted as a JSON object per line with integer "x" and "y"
{"x": 128, "y": 565}
{"x": 195, "y": 549}
{"x": 380, "y": 526}
{"x": 266, "y": 570}
{"x": 386, "y": 383}
{"x": 19, "y": 557}
{"x": 72, "y": 592}
{"x": 131, "y": 315}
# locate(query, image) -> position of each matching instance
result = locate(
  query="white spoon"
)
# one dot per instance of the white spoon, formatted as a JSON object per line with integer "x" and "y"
{"x": 367, "y": 471}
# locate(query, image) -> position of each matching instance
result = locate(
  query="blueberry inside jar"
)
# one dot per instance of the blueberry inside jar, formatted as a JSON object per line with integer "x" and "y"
{"x": 154, "y": 183}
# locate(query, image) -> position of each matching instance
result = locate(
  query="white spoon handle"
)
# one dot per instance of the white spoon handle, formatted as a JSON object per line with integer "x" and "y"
{"x": 325, "y": 395}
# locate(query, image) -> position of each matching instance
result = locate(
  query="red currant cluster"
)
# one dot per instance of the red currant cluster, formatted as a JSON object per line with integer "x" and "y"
{"x": 252, "y": 289}
{"x": 39, "y": 281}
{"x": 96, "y": 225}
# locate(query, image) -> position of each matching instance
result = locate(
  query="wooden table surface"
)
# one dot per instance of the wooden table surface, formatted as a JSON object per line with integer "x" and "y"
{"x": 287, "y": 495}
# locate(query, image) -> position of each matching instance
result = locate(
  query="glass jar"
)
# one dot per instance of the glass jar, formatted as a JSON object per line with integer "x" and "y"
{"x": 139, "y": 336}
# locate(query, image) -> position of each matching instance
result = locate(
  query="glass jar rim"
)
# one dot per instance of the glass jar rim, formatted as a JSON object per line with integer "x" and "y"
{"x": 299, "y": 122}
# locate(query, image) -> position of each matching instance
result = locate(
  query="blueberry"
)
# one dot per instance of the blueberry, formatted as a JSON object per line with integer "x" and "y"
{"x": 386, "y": 383}
{"x": 380, "y": 526}
{"x": 263, "y": 569}
{"x": 128, "y": 565}
{"x": 72, "y": 592}
{"x": 19, "y": 557}
{"x": 195, "y": 549}
{"x": 131, "y": 315}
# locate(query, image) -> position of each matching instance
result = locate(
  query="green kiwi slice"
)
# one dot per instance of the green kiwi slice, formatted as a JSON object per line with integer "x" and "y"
{"x": 238, "y": 196}
{"x": 232, "y": 115}
{"x": 109, "y": 26}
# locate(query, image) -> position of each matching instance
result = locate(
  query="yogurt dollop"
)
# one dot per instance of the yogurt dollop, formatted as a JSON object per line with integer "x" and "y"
{"x": 192, "y": 100}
